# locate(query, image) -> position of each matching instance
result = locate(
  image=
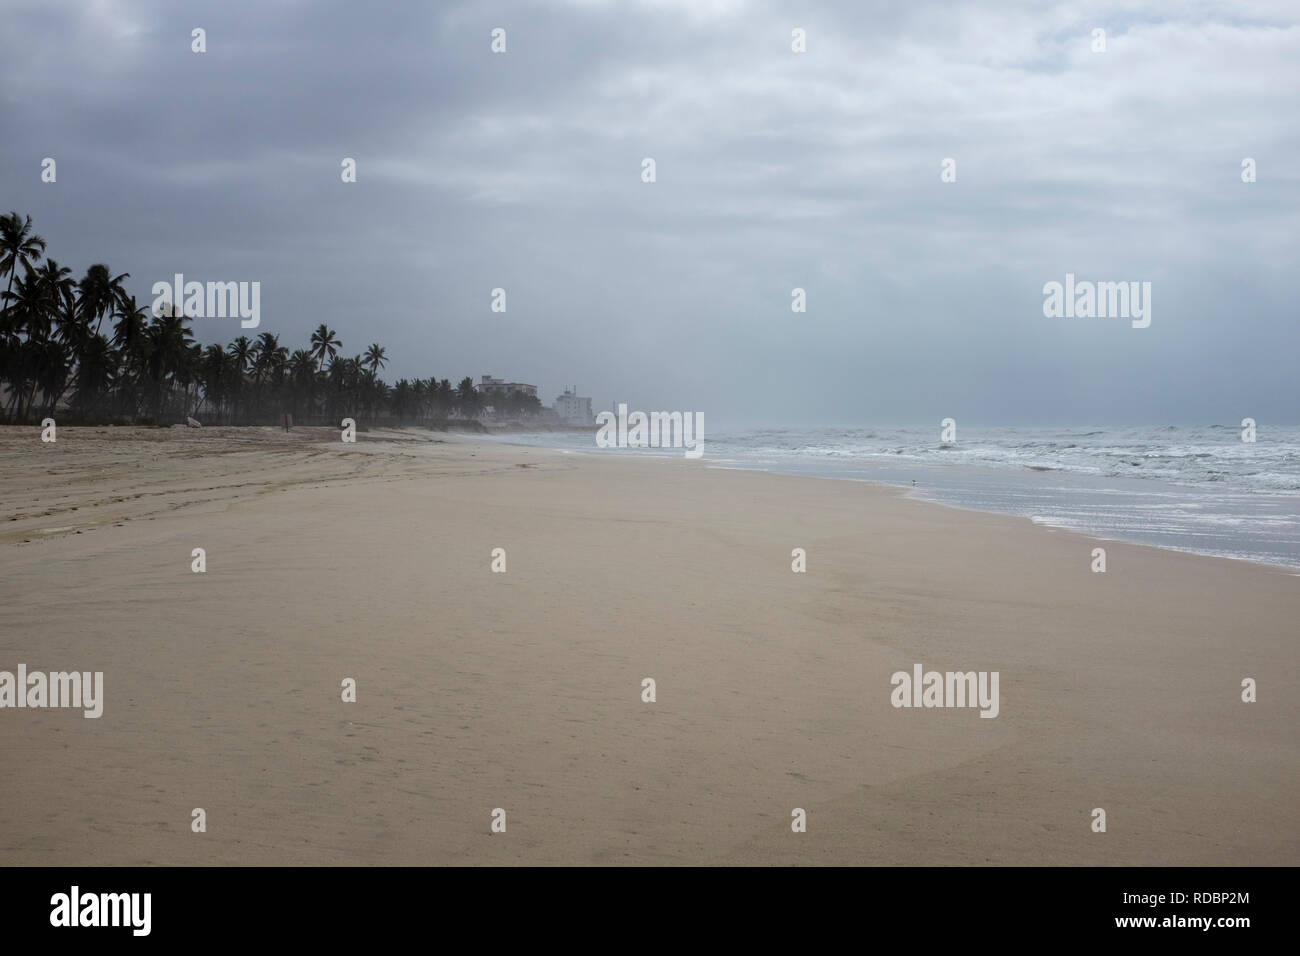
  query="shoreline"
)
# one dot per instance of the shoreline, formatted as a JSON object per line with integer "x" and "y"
{"x": 522, "y": 690}
{"x": 320, "y": 436}
{"x": 1129, "y": 535}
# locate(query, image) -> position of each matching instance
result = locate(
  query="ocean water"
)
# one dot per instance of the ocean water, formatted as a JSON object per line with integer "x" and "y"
{"x": 1198, "y": 489}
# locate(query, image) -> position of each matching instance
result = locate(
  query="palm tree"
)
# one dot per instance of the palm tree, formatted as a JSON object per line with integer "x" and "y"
{"x": 376, "y": 357}
{"x": 403, "y": 397}
{"x": 73, "y": 335}
{"x": 132, "y": 321}
{"x": 324, "y": 344}
{"x": 215, "y": 377}
{"x": 265, "y": 350}
{"x": 52, "y": 367}
{"x": 467, "y": 397}
{"x": 419, "y": 398}
{"x": 277, "y": 369}
{"x": 302, "y": 377}
{"x": 131, "y": 339}
{"x": 354, "y": 383}
{"x": 171, "y": 360}
{"x": 28, "y": 320}
{"x": 268, "y": 355}
{"x": 242, "y": 351}
{"x": 29, "y": 304}
{"x": 18, "y": 247}
{"x": 340, "y": 380}
{"x": 100, "y": 293}
{"x": 94, "y": 374}
{"x": 56, "y": 286}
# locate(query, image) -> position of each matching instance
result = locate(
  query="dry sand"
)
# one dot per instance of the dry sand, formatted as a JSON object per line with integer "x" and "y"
{"x": 523, "y": 690}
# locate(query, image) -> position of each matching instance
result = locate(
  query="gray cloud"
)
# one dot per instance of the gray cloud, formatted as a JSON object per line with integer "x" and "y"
{"x": 775, "y": 170}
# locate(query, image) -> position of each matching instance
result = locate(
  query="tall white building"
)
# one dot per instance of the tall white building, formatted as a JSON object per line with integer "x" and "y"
{"x": 573, "y": 409}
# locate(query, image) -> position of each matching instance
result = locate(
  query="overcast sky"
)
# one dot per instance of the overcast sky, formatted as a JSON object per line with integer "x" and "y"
{"x": 775, "y": 170}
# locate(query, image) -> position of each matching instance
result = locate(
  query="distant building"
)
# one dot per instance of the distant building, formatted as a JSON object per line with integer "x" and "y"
{"x": 572, "y": 409}
{"x": 489, "y": 385}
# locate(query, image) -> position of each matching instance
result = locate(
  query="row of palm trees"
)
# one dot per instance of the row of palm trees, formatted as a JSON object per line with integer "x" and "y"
{"x": 57, "y": 354}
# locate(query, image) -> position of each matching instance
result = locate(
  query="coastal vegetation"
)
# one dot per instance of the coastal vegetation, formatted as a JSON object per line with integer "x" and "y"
{"x": 86, "y": 349}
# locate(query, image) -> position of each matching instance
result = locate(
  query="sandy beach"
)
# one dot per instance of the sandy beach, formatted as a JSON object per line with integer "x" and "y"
{"x": 522, "y": 690}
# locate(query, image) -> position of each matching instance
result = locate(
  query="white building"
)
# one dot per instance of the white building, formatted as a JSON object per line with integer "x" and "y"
{"x": 572, "y": 409}
{"x": 488, "y": 385}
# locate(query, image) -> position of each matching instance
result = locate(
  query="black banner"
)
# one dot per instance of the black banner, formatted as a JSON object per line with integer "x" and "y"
{"x": 1175, "y": 905}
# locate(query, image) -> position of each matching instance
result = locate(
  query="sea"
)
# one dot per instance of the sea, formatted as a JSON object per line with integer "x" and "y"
{"x": 1201, "y": 489}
